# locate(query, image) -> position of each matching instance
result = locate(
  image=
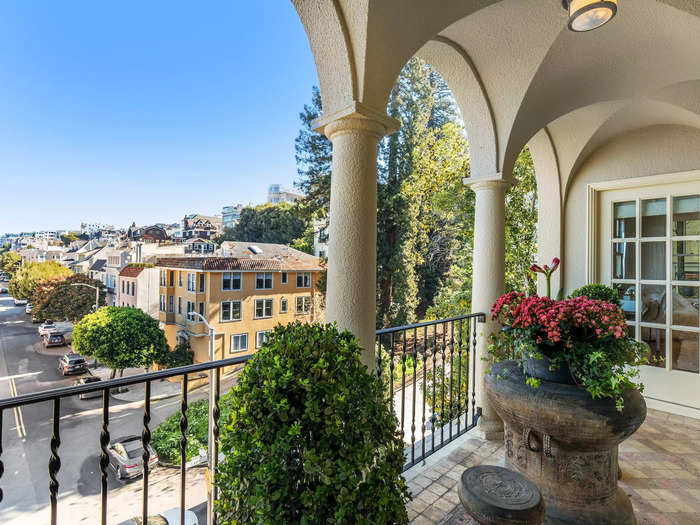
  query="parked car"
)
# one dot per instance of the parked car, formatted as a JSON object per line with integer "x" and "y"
{"x": 20, "y": 302}
{"x": 72, "y": 364}
{"x": 86, "y": 380}
{"x": 169, "y": 517}
{"x": 126, "y": 457}
{"x": 54, "y": 339}
{"x": 47, "y": 327}
{"x": 3, "y": 289}
{"x": 28, "y": 309}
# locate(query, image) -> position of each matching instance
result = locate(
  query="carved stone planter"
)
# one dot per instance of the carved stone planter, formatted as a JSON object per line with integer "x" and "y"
{"x": 566, "y": 443}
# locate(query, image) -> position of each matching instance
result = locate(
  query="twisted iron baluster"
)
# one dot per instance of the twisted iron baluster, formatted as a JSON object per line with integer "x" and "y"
{"x": 452, "y": 353}
{"x": 403, "y": 384}
{"x": 432, "y": 416}
{"x": 391, "y": 371}
{"x": 473, "y": 378}
{"x": 425, "y": 359}
{"x": 460, "y": 334}
{"x": 146, "y": 442}
{"x": 55, "y": 460}
{"x": 183, "y": 446}
{"x": 104, "y": 458}
{"x": 444, "y": 393}
{"x": 2, "y": 467}
{"x": 413, "y": 411}
{"x": 216, "y": 412}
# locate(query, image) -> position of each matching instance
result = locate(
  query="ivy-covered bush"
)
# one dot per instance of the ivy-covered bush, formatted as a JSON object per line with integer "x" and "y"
{"x": 599, "y": 292}
{"x": 310, "y": 438}
{"x": 181, "y": 355}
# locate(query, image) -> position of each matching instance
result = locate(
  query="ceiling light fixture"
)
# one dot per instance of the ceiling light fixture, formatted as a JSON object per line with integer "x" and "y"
{"x": 585, "y": 15}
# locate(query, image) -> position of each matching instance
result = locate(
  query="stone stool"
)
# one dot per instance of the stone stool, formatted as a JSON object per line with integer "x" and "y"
{"x": 498, "y": 496}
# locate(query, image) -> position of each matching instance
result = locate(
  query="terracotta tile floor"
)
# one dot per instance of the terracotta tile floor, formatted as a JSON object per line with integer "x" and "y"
{"x": 660, "y": 465}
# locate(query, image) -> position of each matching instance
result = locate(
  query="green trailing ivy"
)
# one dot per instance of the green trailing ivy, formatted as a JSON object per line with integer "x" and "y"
{"x": 310, "y": 438}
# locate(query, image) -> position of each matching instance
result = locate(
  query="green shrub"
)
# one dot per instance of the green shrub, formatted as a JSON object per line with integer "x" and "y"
{"x": 180, "y": 356}
{"x": 599, "y": 292}
{"x": 310, "y": 437}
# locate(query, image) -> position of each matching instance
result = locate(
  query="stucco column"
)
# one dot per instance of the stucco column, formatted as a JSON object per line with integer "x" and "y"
{"x": 488, "y": 281}
{"x": 351, "y": 292}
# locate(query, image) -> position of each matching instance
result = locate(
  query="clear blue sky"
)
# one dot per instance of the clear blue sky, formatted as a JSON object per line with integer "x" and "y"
{"x": 145, "y": 110}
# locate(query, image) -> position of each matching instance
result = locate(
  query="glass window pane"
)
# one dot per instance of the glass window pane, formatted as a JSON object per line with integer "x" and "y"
{"x": 654, "y": 218}
{"x": 685, "y": 351}
{"x": 655, "y": 339}
{"x": 624, "y": 219}
{"x": 653, "y": 303}
{"x": 628, "y": 295}
{"x": 685, "y": 258}
{"x": 685, "y": 305}
{"x": 654, "y": 260}
{"x": 624, "y": 260}
{"x": 686, "y": 215}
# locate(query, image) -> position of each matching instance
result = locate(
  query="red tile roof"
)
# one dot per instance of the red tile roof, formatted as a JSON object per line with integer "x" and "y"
{"x": 131, "y": 271}
{"x": 239, "y": 264}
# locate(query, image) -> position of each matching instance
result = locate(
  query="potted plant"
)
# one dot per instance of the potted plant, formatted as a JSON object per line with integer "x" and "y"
{"x": 565, "y": 383}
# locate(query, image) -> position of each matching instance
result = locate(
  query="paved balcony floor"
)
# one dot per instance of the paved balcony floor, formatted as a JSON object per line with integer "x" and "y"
{"x": 660, "y": 466}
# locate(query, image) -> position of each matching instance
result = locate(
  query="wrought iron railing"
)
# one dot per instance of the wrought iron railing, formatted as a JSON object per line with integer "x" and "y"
{"x": 434, "y": 365}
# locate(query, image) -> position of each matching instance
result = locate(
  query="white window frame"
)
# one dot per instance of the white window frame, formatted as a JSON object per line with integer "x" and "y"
{"x": 232, "y": 318}
{"x": 305, "y": 305}
{"x": 162, "y": 303}
{"x": 265, "y": 277}
{"x": 232, "y": 275}
{"x": 265, "y": 303}
{"x": 179, "y": 305}
{"x": 305, "y": 279}
{"x": 259, "y": 344}
{"x": 284, "y": 305}
{"x": 240, "y": 348}
{"x": 171, "y": 303}
{"x": 285, "y": 278}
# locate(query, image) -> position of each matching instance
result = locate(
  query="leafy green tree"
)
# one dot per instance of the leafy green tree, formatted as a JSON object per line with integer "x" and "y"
{"x": 273, "y": 223}
{"x": 60, "y": 299}
{"x": 25, "y": 280}
{"x": 120, "y": 337}
{"x": 311, "y": 438}
{"x": 181, "y": 355}
{"x": 314, "y": 155}
{"x": 10, "y": 262}
{"x": 68, "y": 238}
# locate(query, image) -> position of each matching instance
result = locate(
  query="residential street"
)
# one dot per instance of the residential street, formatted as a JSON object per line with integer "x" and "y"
{"x": 27, "y": 432}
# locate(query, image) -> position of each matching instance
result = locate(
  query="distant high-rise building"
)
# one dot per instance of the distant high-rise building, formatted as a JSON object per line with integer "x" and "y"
{"x": 230, "y": 215}
{"x": 276, "y": 194}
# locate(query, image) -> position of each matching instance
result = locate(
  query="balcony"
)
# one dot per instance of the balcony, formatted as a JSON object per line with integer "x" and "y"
{"x": 428, "y": 370}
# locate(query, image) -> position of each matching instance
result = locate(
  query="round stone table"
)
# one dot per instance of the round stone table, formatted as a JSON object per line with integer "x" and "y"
{"x": 497, "y": 496}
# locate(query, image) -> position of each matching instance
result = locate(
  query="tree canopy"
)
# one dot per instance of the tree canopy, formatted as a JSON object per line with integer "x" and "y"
{"x": 10, "y": 262}
{"x": 60, "y": 299}
{"x": 25, "y": 280}
{"x": 120, "y": 337}
{"x": 273, "y": 223}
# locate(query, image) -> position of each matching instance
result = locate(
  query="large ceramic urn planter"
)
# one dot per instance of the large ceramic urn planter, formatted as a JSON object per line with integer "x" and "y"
{"x": 566, "y": 443}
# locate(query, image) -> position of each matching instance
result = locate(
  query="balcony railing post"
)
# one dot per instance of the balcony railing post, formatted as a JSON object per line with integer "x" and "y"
{"x": 183, "y": 446}
{"x": 104, "y": 457}
{"x": 55, "y": 461}
{"x": 2, "y": 467}
{"x": 413, "y": 409}
{"x": 146, "y": 442}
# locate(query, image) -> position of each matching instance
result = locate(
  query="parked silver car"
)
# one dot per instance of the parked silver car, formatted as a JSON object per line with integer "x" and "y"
{"x": 125, "y": 457}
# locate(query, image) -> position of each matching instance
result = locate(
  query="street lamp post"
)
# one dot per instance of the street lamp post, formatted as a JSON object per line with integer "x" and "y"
{"x": 212, "y": 447}
{"x": 97, "y": 292}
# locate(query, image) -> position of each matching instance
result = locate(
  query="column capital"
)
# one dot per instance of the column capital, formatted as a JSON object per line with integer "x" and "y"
{"x": 489, "y": 182}
{"x": 356, "y": 117}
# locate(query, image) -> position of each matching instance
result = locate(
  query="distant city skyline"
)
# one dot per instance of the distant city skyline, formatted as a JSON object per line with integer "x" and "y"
{"x": 143, "y": 113}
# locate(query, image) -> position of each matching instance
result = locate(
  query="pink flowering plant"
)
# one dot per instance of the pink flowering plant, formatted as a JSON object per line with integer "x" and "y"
{"x": 588, "y": 336}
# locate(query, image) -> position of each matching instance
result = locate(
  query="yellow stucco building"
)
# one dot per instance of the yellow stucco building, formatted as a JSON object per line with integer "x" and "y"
{"x": 243, "y": 296}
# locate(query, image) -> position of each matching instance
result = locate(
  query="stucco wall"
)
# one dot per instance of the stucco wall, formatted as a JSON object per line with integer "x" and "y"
{"x": 649, "y": 151}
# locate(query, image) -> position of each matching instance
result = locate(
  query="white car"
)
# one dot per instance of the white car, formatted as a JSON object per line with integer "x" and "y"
{"x": 46, "y": 328}
{"x": 20, "y": 302}
{"x": 28, "y": 309}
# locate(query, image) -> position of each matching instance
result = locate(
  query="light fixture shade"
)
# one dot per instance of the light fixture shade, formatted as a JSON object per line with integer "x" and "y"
{"x": 585, "y": 15}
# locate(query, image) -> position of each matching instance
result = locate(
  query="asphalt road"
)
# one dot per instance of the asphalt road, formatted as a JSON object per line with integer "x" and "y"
{"x": 26, "y": 432}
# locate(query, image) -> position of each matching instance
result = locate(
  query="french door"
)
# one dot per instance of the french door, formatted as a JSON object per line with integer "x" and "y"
{"x": 649, "y": 252}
